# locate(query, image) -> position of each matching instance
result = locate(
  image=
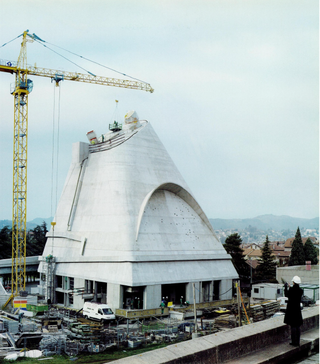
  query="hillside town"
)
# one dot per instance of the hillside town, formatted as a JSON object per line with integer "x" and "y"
{"x": 280, "y": 242}
{"x": 251, "y": 234}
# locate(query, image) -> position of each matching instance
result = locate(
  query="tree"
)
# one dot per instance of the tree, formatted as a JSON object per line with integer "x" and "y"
{"x": 297, "y": 256}
{"x": 36, "y": 239}
{"x": 266, "y": 270}
{"x": 5, "y": 243}
{"x": 233, "y": 247}
{"x": 310, "y": 252}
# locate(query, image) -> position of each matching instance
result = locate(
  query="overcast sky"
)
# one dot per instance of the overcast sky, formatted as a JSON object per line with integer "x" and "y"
{"x": 235, "y": 102}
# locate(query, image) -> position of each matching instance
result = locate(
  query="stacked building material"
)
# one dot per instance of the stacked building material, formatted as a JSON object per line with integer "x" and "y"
{"x": 270, "y": 308}
{"x": 85, "y": 332}
{"x": 73, "y": 348}
{"x": 134, "y": 343}
{"x": 109, "y": 336}
{"x": 11, "y": 326}
{"x": 256, "y": 312}
{"x": 53, "y": 344}
{"x": 28, "y": 327}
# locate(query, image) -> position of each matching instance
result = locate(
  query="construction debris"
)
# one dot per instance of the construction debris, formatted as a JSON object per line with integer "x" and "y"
{"x": 270, "y": 308}
{"x": 226, "y": 321}
{"x": 64, "y": 331}
{"x": 264, "y": 311}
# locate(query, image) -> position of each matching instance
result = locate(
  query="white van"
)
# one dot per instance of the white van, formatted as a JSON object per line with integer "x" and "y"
{"x": 98, "y": 311}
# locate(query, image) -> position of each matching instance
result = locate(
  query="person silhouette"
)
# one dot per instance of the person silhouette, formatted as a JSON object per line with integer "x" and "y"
{"x": 293, "y": 316}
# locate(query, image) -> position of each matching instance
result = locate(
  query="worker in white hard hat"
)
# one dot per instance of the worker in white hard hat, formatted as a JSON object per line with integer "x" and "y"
{"x": 293, "y": 316}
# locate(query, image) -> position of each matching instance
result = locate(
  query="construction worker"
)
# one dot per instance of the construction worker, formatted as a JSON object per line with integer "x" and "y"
{"x": 162, "y": 305}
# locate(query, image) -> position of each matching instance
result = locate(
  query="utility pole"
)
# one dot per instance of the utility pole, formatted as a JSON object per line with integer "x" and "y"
{"x": 194, "y": 309}
{"x": 239, "y": 303}
{"x": 250, "y": 286}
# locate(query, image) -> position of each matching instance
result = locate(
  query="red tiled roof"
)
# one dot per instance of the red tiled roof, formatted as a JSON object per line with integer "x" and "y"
{"x": 252, "y": 252}
{"x": 288, "y": 243}
{"x": 278, "y": 242}
{"x": 277, "y": 248}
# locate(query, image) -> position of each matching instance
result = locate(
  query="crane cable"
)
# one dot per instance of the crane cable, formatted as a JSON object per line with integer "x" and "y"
{"x": 52, "y": 147}
{"x": 65, "y": 58}
{"x": 87, "y": 59}
{"x": 41, "y": 41}
{"x": 58, "y": 144}
{"x": 10, "y": 41}
{"x": 55, "y": 151}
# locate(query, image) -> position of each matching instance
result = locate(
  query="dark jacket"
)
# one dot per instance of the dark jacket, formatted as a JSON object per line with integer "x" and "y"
{"x": 293, "y": 316}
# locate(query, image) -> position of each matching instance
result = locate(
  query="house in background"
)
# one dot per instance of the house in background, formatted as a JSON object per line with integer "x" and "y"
{"x": 281, "y": 255}
{"x": 252, "y": 254}
{"x": 288, "y": 243}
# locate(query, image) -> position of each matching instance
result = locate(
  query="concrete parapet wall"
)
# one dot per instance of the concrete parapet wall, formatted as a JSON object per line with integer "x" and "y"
{"x": 307, "y": 276}
{"x": 227, "y": 345}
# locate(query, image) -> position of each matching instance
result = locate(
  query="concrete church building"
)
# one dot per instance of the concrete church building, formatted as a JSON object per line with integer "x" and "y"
{"x": 128, "y": 229}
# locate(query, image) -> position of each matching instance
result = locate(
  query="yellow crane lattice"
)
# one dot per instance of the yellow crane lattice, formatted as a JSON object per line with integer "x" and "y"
{"x": 20, "y": 90}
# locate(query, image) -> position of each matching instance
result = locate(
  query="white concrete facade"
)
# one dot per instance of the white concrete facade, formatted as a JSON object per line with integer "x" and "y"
{"x": 128, "y": 228}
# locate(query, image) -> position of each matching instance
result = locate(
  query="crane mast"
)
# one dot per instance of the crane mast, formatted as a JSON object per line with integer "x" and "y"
{"x": 20, "y": 90}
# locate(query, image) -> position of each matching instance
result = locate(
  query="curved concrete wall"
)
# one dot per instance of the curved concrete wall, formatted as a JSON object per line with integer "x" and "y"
{"x": 126, "y": 216}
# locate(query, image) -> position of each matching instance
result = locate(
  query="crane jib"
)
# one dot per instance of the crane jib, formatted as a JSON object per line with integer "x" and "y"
{"x": 58, "y": 76}
{"x": 20, "y": 90}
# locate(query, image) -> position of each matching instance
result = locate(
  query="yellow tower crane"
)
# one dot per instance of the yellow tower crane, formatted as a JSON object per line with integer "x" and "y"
{"x": 20, "y": 90}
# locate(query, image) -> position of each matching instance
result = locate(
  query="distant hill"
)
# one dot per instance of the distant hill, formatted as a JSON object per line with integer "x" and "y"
{"x": 30, "y": 224}
{"x": 265, "y": 222}
{"x": 4, "y": 223}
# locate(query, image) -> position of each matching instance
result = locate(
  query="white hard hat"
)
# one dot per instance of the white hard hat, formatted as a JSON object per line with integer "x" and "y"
{"x": 296, "y": 280}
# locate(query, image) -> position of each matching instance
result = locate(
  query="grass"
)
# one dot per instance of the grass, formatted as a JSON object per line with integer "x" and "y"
{"x": 98, "y": 358}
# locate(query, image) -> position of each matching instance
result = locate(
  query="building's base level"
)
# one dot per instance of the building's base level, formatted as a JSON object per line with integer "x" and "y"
{"x": 73, "y": 292}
